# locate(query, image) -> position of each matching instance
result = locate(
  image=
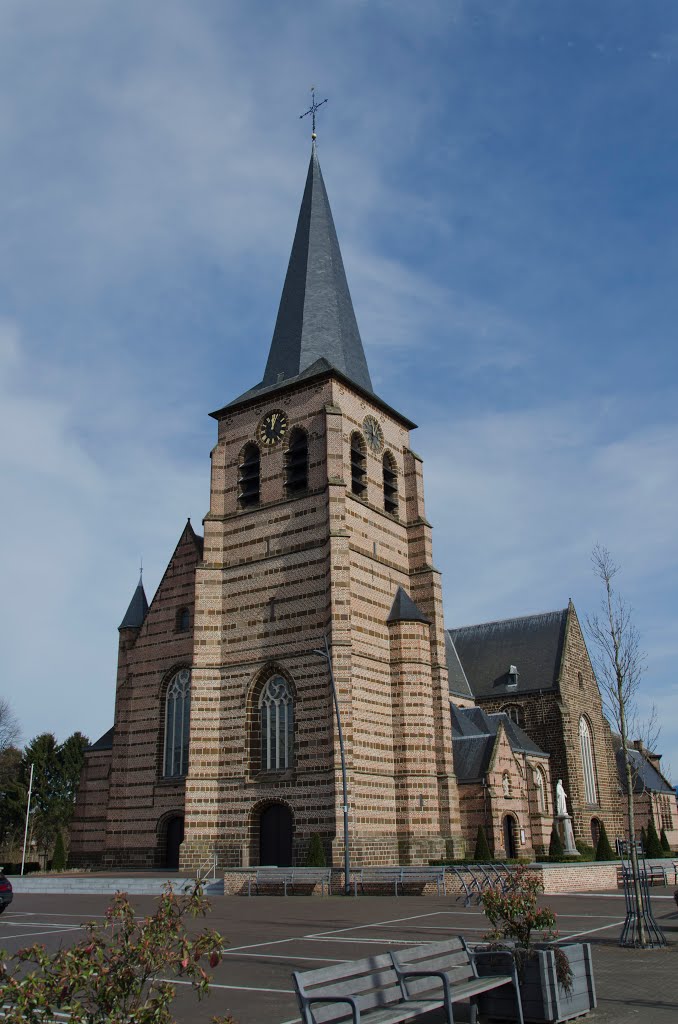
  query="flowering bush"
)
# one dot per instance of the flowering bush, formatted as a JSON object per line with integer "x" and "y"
{"x": 515, "y": 916}
{"x": 117, "y": 974}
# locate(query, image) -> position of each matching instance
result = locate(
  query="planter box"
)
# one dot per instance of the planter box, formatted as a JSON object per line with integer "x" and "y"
{"x": 544, "y": 999}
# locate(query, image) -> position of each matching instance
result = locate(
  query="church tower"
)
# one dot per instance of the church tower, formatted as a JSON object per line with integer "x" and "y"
{"x": 316, "y": 528}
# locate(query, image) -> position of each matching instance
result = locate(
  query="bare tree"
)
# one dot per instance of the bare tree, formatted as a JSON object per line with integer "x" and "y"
{"x": 9, "y": 725}
{"x": 619, "y": 663}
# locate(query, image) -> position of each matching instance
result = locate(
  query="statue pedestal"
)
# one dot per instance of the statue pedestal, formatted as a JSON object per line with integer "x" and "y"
{"x": 564, "y": 826}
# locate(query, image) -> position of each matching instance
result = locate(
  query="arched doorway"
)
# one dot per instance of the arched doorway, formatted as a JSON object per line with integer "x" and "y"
{"x": 174, "y": 837}
{"x": 510, "y": 837}
{"x": 275, "y": 835}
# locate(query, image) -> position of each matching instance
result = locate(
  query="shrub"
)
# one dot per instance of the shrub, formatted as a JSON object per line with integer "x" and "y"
{"x": 666, "y": 846}
{"x": 514, "y": 916}
{"x": 482, "y": 850}
{"x": 556, "y": 848}
{"x": 116, "y": 973}
{"x": 59, "y": 855}
{"x": 653, "y": 848}
{"x": 315, "y": 858}
{"x": 643, "y": 840}
{"x": 586, "y": 852}
{"x": 603, "y": 849}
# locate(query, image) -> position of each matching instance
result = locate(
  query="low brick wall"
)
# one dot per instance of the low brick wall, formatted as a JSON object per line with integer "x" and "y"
{"x": 556, "y": 878}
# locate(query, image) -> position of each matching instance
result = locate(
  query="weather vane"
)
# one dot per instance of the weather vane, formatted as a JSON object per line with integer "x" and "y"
{"x": 311, "y": 110}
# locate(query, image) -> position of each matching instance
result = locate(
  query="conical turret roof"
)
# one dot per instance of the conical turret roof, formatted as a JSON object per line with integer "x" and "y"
{"x": 136, "y": 612}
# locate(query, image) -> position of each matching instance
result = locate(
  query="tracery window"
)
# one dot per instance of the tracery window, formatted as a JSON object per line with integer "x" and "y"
{"x": 276, "y": 709}
{"x": 390, "y": 484}
{"x": 177, "y": 724}
{"x": 249, "y": 473}
{"x": 515, "y": 713}
{"x": 296, "y": 462}
{"x": 358, "y": 464}
{"x": 590, "y": 788}
{"x": 540, "y": 788}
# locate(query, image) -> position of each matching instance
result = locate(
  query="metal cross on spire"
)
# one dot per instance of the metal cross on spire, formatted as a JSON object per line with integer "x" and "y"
{"x": 311, "y": 110}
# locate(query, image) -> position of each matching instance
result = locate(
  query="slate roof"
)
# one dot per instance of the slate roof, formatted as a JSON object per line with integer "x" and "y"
{"x": 533, "y": 643}
{"x": 404, "y": 609}
{"x": 104, "y": 742}
{"x": 474, "y": 734}
{"x": 136, "y": 612}
{"x": 316, "y": 320}
{"x": 645, "y": 776}
{"x": 458, "y": 683}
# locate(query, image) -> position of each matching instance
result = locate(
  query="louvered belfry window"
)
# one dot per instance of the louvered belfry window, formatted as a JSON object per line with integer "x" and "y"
{"x": 358, "y": 465}
{"x": 588, "y": 766}
{"x": 296, "y": 462}
{"x": 177, "y": 724}
{"x": 276, "y": 708}
{"x": 249, "y": 474}
{"x": 390, "y": 484}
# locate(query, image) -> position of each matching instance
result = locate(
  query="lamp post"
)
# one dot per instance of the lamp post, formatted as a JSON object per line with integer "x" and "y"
{"x": 347, "y": 859}
{"x": 28, "y": 814}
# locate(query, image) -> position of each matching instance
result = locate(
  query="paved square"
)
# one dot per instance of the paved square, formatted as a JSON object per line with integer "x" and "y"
{"x": 269, "y": 936}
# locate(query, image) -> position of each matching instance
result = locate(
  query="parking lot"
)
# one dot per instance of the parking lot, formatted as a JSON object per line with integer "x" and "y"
{"x": 269, "y": 936}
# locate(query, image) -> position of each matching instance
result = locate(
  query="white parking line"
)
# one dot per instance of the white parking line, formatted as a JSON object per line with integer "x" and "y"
{"x": 589, "y": 931}
{"x": 53, "y": 931}
{"x": 283, "y": 956}
{"x": 233, "y": 988}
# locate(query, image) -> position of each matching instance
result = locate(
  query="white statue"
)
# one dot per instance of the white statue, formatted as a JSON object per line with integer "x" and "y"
{"x": 561, "y": 799}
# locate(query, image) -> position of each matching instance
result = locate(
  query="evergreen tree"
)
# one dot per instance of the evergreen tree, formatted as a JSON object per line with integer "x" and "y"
{"x": 316, "y": 852}
{"x": 666, "y": 846}
{"x": 603, "y": 849}
{"x": 481, "y": 854}
{"x": 59, "y": 855}
{"x": 556, "y": 848}
{"x": 653, "y": 847}
{"x": 643, "y": 840}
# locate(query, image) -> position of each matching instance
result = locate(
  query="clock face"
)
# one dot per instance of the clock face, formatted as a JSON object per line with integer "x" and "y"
{"x": 273, "y": 427}
{"x": 373, "y": 433}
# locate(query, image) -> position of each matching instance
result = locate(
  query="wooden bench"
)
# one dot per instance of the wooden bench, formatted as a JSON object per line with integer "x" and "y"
{"x": 398, "y": 877}
{"x": 267, "y": 878}
{"x": 394, "y": 987}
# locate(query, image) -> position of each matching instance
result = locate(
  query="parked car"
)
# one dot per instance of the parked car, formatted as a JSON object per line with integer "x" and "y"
{"x": 6, "y": 894}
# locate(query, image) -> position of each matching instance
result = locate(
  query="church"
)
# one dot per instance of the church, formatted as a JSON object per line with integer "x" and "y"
{"x": 225, "y": 741}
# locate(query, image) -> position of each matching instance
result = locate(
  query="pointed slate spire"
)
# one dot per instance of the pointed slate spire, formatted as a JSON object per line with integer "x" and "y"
{"x": 405, "y": 610}
{"x": 316, "y": 319}
{"x": 138, "y": 606}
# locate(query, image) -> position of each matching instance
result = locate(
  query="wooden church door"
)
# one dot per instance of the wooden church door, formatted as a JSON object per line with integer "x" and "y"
{"x": 275, "y": 836}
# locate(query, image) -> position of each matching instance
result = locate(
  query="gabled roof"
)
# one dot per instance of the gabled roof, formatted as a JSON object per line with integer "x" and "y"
{"x": 404, "y": 609}
{"x": 532, "y": 643}
{"x": 136, "y": 612}
{"x": 645, "y": 776}
{"x": 474, "y": 734}
{"x": 458, "y": 683}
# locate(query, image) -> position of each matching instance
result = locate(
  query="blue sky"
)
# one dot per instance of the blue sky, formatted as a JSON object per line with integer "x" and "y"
{"x": 502, "y": 177}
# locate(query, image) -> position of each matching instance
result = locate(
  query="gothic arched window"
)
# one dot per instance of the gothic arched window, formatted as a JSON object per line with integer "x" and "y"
{"x": 276, "y": 709}
{"x": 183, "y": 620}
{"x": 515, "y": 713}
{"x": 358, "y": 464}
{"x": 177, "y": 722}
{"x": 390, "y": 484}
{"x": 590, "y": 788}
{"x": 296, "y": 462}
{"x": 249, "y": 473}
{"x": 540, "y": 788}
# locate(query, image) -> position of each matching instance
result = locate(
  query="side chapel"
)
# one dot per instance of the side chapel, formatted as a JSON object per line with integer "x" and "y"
{"x": 224, "y": 739}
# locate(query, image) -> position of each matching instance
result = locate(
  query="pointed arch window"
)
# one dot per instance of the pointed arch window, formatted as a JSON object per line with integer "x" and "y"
{"x": 358, "y": 465}
{"x": 390, "y": 484}
{"x": 177, "y": 724}
{"x": 276, "y": 710}
{"x": 183, "y": 623}
{"x": 249, "y": 476}
{"x": 296, "y": 462}
{"x": 588, "y": 765}
{"x": 515, "y": 713}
